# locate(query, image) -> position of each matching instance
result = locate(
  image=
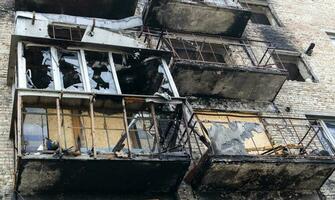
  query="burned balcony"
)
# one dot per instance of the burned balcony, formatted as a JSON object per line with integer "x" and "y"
{"x": 226, "y": 17}
{"x": 244, "y": 152}
{"x": 223, "y": 68}
{"x": 108, "y": 9}
{"x": 69, "y": 142}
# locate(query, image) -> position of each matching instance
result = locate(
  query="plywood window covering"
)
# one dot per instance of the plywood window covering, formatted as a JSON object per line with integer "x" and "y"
{"x": 258, "y": 144}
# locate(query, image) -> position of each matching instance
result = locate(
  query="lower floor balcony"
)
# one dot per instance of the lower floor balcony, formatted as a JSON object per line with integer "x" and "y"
{"x": 69, "y": 142}
{"x": 245, "y": 152}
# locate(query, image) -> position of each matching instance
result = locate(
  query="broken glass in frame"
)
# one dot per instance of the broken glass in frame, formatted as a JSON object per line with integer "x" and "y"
{"x": 100, "y": 72}
{"x": 141, "y": 74}
{"x": 38, "y": 67}
{"x": 70, "y": 71}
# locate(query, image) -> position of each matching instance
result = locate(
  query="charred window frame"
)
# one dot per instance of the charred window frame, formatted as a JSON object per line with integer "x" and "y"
{"x": 143, "y": 74}
{"x": 37, "y": 71}
{"x": 261, "y": 13}
{"x": 296, "y": 67}
{"x": 76, "y": 70}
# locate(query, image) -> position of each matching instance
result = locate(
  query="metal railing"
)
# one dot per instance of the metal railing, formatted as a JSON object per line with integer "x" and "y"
{"x": 284, "y": 136}
{"x": 134, "y": 127}
{"x": 232, "y": 53}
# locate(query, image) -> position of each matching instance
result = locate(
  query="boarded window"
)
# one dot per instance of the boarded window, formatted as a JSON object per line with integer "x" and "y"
{"x": 100, "y": 72}
{"x": 70, "y": 70}
{"x": 235, "y": 134}
{"x": 66, "y": 32}
{"x": 38, "y": 67}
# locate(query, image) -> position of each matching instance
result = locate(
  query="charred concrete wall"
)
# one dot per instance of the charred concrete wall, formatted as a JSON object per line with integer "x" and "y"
{"x": 6, "y": 147}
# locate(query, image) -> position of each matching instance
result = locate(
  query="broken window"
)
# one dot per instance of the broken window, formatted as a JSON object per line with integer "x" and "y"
{"x": 139, "y": 74}
{"x": 259, "y": 18}
{"x": 70, "y": 70}
{"x": 261, "y": 14}
{"x": 297, "y": 70}
{"x": 35, "y": 129}
{"x": 100, "y": 72}
{"x": 38, "y": 67}
{"x": 74, "y": 33}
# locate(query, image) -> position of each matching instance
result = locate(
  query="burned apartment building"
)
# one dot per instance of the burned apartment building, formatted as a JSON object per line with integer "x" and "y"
{"x": 167, "y": 99}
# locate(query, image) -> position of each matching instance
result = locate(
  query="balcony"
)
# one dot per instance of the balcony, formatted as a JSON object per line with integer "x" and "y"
{"x": 226, "y": 18}
{"x": 218, "y": 67}
{"x": 107, "y": 9}
{"x": 69, "y": 142}
{"x": 245, "y": 152}
{"x": 95, "y": 118}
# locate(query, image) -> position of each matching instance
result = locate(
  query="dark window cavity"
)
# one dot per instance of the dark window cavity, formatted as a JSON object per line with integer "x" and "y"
{"x": 35, "y": 129}
{"x": 100, "y": 72}
{"x": 66, "y": 32}
{"x": 139, "y": 74}
{"x": 259, "y": 18}
{"x": 70, "y": 72}
{"x": 293, "y": 65}
{"x": 38, "y": 67}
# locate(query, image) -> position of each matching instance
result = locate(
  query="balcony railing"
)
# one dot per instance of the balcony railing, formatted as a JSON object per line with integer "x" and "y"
{"x": 86, "y": 124}
{"x": 217, "y": 134}
{"x": 240, "y": 53}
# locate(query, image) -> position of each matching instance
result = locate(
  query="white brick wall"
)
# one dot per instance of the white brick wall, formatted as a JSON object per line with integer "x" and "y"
{"x": 6, "y": 147}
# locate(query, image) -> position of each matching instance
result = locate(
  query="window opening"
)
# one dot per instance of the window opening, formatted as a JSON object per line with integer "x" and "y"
{"x": 70, "y": 70}
{"x": 100, "y": 72}
{"x": 143, "y": 75}
{"x": 38, "y": 67}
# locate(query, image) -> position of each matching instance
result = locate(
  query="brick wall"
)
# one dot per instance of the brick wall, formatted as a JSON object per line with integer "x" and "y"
{"x": 6, "y": 147}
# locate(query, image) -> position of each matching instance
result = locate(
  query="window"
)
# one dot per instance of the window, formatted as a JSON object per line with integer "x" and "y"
{"x": 261, "y": 14}
{"x": 297, "y": 70}
{"x": 332, "y": 37}
{"x": 141, "y": 74}
{"x": 70, "y": 70}
{"x": 66, "y": 32}
{"x": 51, "y": 68}
{"x": 100, "y": 72}
{"x": 35, "y": 129}
{"x": 327, "y": 127}
{"x": 38, "y": 67}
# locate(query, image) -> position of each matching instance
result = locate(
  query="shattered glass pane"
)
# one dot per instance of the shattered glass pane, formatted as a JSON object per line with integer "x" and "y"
{"x": 141, "y": 74}
{"x": 70, "y": 71}
{"x": 38, "y": 67}
{"x": 35, "y": 129}
{"x": 100, "y": 72}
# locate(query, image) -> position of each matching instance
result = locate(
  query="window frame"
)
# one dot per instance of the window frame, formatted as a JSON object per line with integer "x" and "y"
{"x": 331, "y": 36}
{"x": 21, "y": 69}
{"x": 299, "y": 61}
{"x": 261, "y": 7}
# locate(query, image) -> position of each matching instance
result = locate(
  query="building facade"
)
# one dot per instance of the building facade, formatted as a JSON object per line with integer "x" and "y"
{"x": 210, "y": 99}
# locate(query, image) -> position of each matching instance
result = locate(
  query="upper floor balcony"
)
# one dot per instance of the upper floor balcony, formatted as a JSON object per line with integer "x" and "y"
{"x": 218, "y": 17}
{"x": 221, "y": 67}
{"x": 107, "y": 9}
